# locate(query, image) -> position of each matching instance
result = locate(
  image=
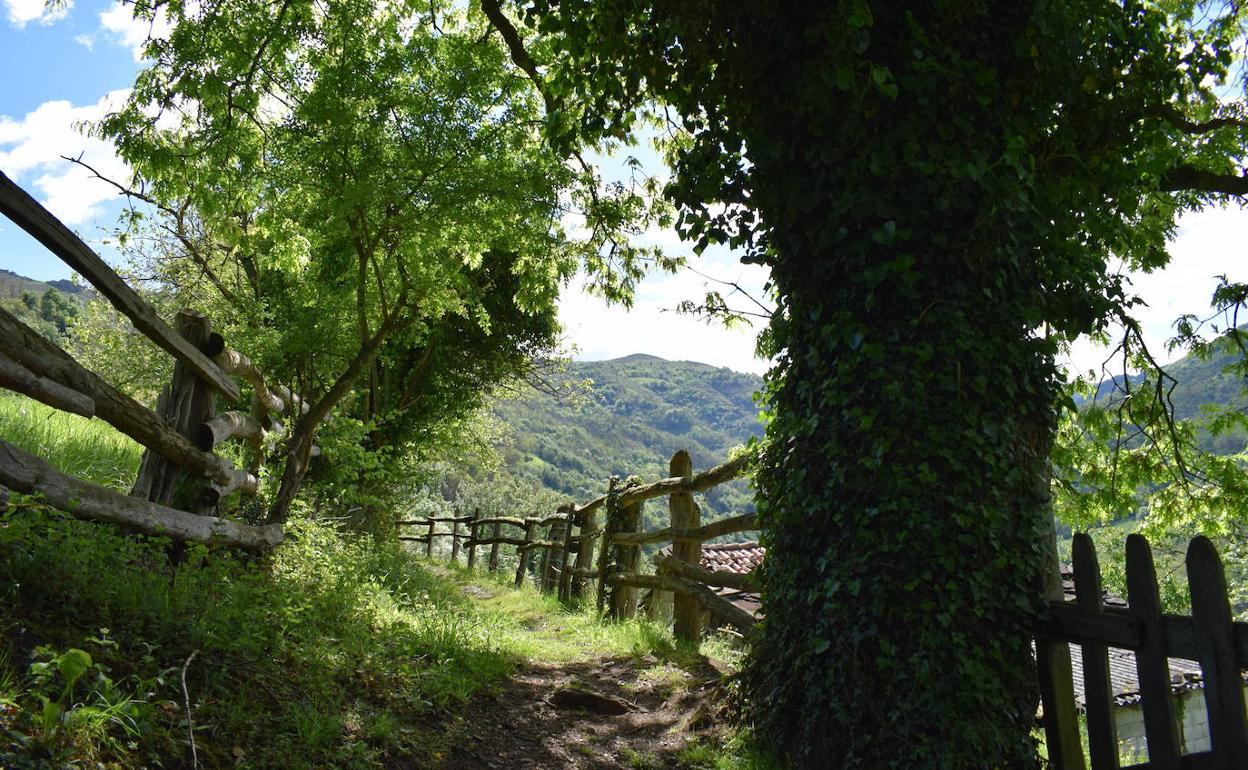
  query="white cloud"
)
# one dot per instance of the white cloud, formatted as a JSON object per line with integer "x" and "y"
{"x": 22, "y": 12}
{"x": 31, "y": 150}
{"x": 122, "y": 28}
{"x": 1209, "y": 243}
{"x": 86, "y": 41}
{"x": 602, "y": 332}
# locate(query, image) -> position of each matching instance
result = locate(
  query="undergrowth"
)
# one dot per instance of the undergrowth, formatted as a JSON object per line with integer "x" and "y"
{"x": 336, "y": 650}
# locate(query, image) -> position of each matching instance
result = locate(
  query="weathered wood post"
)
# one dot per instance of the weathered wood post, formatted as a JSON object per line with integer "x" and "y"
{"x": 565, "y": 563}
{"x": 543, "y": 569}
{"x": 604, "y": 554}
{"x": 1053, "y": 666}
{"x": 686, "y": 612}
{"x": 498, "y": 532}
{"x": 556, "y": 554}
{"x": 454, "y": 540}
{"x": 628, "y": 559}
{"x": 185, "y": 405}
{"x": 429, "y": 538}
{"x": 587, "y": 523}
{"x": 472, "y": 538}
{"x": 1152, "y": 665}
{"x": 1215, "y": 647}
{"x": 525, "y": 552}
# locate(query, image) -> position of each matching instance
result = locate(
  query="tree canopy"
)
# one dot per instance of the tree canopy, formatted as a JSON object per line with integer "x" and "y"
{"x": 362, "y": 194}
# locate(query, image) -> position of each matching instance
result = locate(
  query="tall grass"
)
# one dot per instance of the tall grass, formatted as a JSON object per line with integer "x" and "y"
{"x": 334, "y": 651}
{"x": 90, "y": 449}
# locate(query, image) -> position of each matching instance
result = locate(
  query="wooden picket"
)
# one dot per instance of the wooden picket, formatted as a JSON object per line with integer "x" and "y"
{"x": 1209, "y": 636}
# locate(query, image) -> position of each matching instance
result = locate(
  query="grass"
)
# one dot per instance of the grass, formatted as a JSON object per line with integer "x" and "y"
{"x": 86, "y": 448}
{"x": 335, "y": 650}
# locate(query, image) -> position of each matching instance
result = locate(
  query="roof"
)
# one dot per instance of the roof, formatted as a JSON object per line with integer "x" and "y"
{"x": 738, "y": 558}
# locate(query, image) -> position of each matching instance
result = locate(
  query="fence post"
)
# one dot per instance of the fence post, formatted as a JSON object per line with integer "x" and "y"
{"x": 686, "y": 612}
{"x": 604, "y": 555}
{"x": 1215, "y": 644}
{"x": 1057, "y": 681}
{"x": 429, "y": 539}
{"x": 624, "y": 597}
{"x": 1097, "y": 689}
{"x": 565, "y": 563}
{"x": 585, "y": 550}
{"x": 525, "y": 552}
{"x": 472, "y": 538}
{"x": 185, "y": 404}
{"x": 1152, "y": 666}
{"x": 498, "y": 532}
{"x": 543, "y": 568}
{"x": 454, "y": 540}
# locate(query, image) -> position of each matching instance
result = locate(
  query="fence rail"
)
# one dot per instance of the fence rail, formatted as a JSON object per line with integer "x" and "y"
{"x": 1209, "y": 636}
{"x": 565, "y": 544}
{"x": 179, "y": 436}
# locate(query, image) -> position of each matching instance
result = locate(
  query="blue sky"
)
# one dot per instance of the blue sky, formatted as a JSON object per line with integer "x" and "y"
{"x": 63, "y": 66}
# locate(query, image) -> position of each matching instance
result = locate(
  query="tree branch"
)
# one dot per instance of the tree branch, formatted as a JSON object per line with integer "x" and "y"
{"x": 1192, "y": 179}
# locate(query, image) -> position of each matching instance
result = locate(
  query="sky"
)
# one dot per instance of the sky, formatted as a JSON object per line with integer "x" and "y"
{"x": 65, "y": 66}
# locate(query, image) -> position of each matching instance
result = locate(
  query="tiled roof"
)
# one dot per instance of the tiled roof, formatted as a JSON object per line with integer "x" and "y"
{"x": 738, "y": 558}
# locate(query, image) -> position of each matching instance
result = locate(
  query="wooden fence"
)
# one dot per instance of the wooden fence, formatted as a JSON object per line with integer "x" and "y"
{"x": 179, "y": 436}
{"x": 1209, "y": 636}
{"x": 569, "y": 539}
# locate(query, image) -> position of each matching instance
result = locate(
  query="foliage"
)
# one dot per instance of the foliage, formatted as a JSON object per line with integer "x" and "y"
{"x": 1165, "y": 445}
{"x": 358, "y": 197}
{"x": 636, "y": 413}
{"x": 938, "y": 190}
{"x": 47, "y": 309}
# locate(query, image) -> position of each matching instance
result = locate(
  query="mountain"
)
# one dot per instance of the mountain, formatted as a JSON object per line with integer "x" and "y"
{"x": 634, "y": 414}
{"x": 1198, "y": 382}
{"x": 12, "y": 285}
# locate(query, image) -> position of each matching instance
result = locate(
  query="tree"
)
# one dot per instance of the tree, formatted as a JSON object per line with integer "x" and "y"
{"x": 938, "y": 189}
{"x": 361, "y": 191}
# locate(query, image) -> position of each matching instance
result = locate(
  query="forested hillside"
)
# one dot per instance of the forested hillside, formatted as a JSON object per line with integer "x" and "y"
{"x": 1199, "y": 382}
{"x": 47, "y": 307}
{"x": 634, "y": 413}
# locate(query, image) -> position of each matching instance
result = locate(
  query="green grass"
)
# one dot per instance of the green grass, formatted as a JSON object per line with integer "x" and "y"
{"x": 336, "y": 650}
{"x": 90, "y": 449}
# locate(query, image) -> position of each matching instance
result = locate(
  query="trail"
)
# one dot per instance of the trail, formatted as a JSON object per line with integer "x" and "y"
{"x": 599, "y": 713}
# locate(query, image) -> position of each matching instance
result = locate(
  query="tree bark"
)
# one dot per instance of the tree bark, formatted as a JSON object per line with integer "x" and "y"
{"x": 299, "y": 449}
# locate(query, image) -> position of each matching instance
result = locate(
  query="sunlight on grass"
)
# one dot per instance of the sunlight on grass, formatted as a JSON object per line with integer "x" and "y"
{"x": 90, "y": 449}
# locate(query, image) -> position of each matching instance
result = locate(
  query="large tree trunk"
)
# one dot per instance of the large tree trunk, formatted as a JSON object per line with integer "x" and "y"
{"x": 902, "y": 494}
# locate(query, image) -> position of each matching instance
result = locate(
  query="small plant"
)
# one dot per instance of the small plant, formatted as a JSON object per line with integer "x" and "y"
{"x": 61, "y": 719}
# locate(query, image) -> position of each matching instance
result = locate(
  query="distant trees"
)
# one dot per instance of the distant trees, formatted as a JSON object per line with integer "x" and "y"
{"x": 50, "y": 313}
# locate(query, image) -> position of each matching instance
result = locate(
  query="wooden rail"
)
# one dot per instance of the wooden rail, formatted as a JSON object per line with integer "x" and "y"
{"x": 558, "y": 550}
{"x": 28, "y": 214}
{"x": 1208, "y": 635}
{"x": 179, "y": 475}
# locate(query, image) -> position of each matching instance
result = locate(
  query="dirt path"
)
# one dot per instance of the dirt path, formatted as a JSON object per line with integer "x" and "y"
{"x": 599, "y": 715}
